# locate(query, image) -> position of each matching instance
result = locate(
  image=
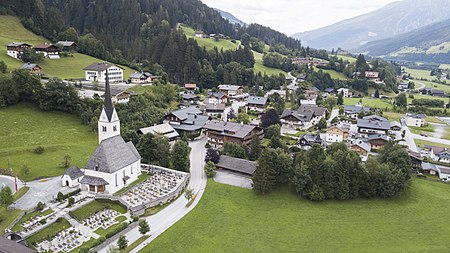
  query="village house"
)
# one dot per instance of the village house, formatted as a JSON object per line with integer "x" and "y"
{"x": 301, "y": 78}
{"x": 309, "y": 61}
{"x": 416, "y": 120}
{"x": 231, "y": 90}
{"x": 402, "y": 86}
{"x": 438, "y": 154}
{"x": 236, "y": 165}
{"x": 115, "y": 163}
{"x": 373, "y": 125}
{"x": 199, "y": 34}
{"x": 48, "y": 50}
{"x": 97, "y": 72}
{"x": 187, "y": 120}
{"x": 220, "y": 132}
{"x": 352, "y": 111}
{"x": 346, "y": 93}
{"x": 192, "y": 87}
{"x": 437, "y": 93}
{"x": 377, "y": 141}
{"x": 311, "y": 94}
{"x": 165, "y": 130}
{"x": 120, "y": 97}
{"x": 303, "y": 118}
{"x": 68, "y": 46}
{"x": 372, "y": 75}
{"x": 214, "y": 109}
{"x": 307, "y": 140}
{"x": 32, "y": 67}
{"x": 337, "y": 134}
{"x": 416, "y": 160}
{"x": 362, "y": 148}
{"x": 434, "y": 169}
{"x": 140, "y": 78}
{"x": 282, "y": 93}
{"x": 216, "y": 98}
{"x": 396, "y": 126}
{"x": 16, "y": 49}
{"x": 255, "y": 103}
{"x": 189, "y": 98}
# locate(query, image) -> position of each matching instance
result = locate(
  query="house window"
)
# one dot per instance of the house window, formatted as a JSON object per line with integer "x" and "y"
{"x": 104, "y": 129}
{"x": 115, "y": 128}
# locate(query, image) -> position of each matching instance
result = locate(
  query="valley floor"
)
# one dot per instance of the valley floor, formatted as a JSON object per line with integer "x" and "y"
{"x": 234, "y": 219}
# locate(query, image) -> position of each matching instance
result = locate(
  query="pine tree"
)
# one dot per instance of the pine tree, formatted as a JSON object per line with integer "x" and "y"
{"x": 143, "y": 227}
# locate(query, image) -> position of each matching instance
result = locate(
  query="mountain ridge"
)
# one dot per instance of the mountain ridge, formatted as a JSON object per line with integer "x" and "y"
{"x": 393, "y": 19}
{"x": 230, "y": 17}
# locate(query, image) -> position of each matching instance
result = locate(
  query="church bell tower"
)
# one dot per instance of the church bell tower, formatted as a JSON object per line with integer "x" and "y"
{"x": 108, "y": 123}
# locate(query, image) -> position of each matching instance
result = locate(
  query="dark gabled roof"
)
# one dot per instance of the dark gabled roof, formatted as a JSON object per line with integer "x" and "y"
{"x": 305, "y": 116}
{"x": 140, "y": 75}
{"x": 216, "y": 94}
{"x": 231, "y": 129}
{"x": 374, "y": 124}
{"x": 355, "y": 109}
{"x": 329, "y": 90}
{"x": 317, "y": 110}
{"x": 18, "y": 44}
{"x": 100, "y": 66}
{"x": 311, "y": 138}
{"x": 44, "y": 46}
{"x": 183, "y": 114}
{"x": 229, "y": 87}
{"x": 74, "y": 172}
{"x": 373, "y": 137}
{"x": 236, "y": 164}
{"x": 254, "y": 100}
{"x": 30, "y": 66}
{"x": 362, "y": 144}
{"x": 66, "y": 43}
{"x": 214, "y": 107}
{"x": 112, "y": 155}
{"x": 375, "y": 117}
{"x": 417, "y": 116}
{"x": 188, "y": 96}
{"x": 90, "y": 180}
{"x": 191, "y": 119}
{"x": 437, "y": 92}
{"x": 8, "y": 246}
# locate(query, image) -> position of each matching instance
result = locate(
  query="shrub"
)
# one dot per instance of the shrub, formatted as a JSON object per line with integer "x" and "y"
{"x": 40, "y": 206}
{"x": 60, "y": 197}
{"x": 39, "y": 150}
{"x": 116, "y": 230}
{"x": 42, "y": 222}
{"x": 71, "y": 201}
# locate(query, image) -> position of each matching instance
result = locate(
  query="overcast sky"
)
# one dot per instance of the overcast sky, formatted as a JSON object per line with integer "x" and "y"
{"x": 291, "y": 16}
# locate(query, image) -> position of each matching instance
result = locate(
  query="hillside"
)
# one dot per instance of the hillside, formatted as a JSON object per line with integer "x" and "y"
{"x": 393, "y": 19}
{"x": 429, "y": 43}
{"x": 71, "y": 67}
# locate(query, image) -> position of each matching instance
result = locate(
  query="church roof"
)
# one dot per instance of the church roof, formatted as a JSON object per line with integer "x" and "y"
{"x": 93, "y": 180}
{"x": 113, "y": 154}
{"x": 74, "y": 172}
{"x": 109, "y": 109}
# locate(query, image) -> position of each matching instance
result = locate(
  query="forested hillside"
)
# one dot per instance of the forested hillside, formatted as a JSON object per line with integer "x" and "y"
{"x": 144, "y": 34}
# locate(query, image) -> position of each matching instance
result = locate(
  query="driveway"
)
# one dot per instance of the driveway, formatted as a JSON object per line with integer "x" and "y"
{"x": 10, "y": 182}
{"x": 44, "y": 190}
{"x": 163, "y": 220}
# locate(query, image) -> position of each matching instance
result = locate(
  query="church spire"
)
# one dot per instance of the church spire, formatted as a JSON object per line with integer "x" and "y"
{"x": 109, "y": 109}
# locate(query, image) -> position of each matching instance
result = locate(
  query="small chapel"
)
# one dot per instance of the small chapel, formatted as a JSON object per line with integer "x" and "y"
{"x": 114, "y": 164}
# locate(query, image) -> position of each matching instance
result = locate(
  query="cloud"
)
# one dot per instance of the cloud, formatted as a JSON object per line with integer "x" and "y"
{"x": 292, "y": 16}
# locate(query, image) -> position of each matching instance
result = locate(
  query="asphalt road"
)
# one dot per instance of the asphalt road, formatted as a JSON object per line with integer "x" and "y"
{"x": 163, "y": 220}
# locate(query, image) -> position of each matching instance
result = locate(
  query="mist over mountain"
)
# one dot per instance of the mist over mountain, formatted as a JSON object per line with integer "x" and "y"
{"x": 391, "y": 20}
{"x": 230, "y": 17}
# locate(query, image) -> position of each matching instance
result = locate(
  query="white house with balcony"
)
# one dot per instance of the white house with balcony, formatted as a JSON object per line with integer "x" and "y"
{"x": 97, "y": 72}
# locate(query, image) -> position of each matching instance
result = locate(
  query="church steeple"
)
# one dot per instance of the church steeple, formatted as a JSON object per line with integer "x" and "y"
{"x": 108, "y": 123}
{"x": 109, "y": 108}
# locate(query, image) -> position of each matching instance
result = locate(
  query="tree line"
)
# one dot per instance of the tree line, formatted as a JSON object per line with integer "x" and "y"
{"x": 334, "y": 173}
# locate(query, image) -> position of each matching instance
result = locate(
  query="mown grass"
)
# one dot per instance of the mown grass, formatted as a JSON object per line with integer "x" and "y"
{"x": 7, "y": 217}
{"x": 135, "y": 244}
{"x": 95, "y": 206}
{"x": 370, "y": 102}
{"x": 19, "y": 194}
{"x": 65, "y": 68}
{"x": 208, "y": 43}
{"x": 24, "y": 127}
{"x": 259, "y": 66}
{"x": 333, "y": 73}
{"x": 346, "y": 58}
{"x": 422, "y": 143}
{"x": 230, "y": 219}
{"x": 141, "y": 178}
{"x": 419, "y": 130}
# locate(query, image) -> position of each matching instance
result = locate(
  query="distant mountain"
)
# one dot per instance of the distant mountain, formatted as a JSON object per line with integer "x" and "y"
{"x": 230, "y": 17}
{"x": 393, "y": 19}
{"x": 430, "y": 43}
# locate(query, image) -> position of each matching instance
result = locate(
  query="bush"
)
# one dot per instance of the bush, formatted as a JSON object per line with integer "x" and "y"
{"x": 71, "y": 201}
{"x": 40, "y": 206}
{"x": 42, "y": 222}
{"x": 39, "y": 150}
{"x": 60, "y": 197}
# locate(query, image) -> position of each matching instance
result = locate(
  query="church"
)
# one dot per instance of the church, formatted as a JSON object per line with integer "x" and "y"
{"x": 114, "y": 164}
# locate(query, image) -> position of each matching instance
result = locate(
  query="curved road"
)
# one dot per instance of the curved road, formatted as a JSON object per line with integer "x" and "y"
{"x": 163, "y": 220}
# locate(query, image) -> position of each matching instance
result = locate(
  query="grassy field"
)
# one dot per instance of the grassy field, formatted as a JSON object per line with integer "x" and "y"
{"x": 95, "y": 206}
{"x": 418, "y": 96}
{"x": 437, "y": 86}
{"x": 421, "y": 143}
{"x": 208, "y": 43}
{"x": 19, "y": 194}
{"x": 419, "y": 130}
{"x": 233, "y": 219}
{"x": 7, "y": 217}
{"x": 369, "y": 102}
{"x": 393, "y": 115}
{"x": 346, "y": 58}
{"x": 24, "y": 127}
{"x": 418, "y": 73}
{"x": 333, "y": 73}
{"x": 135, "y": 244}
{"x": 49, "y": 232}
{"x": 66, "y": 68}
{"x": 444, "y": 66}
{"x": 439, "y": 49}
{"x": 259, "y": 66}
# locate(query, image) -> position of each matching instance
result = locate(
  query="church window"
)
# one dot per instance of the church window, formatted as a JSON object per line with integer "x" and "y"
{"x": 116, "y": 179}
{"x": 104, "y": 129}
{"x": 115, "y": 128}
{"x": 131, "y": 169}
